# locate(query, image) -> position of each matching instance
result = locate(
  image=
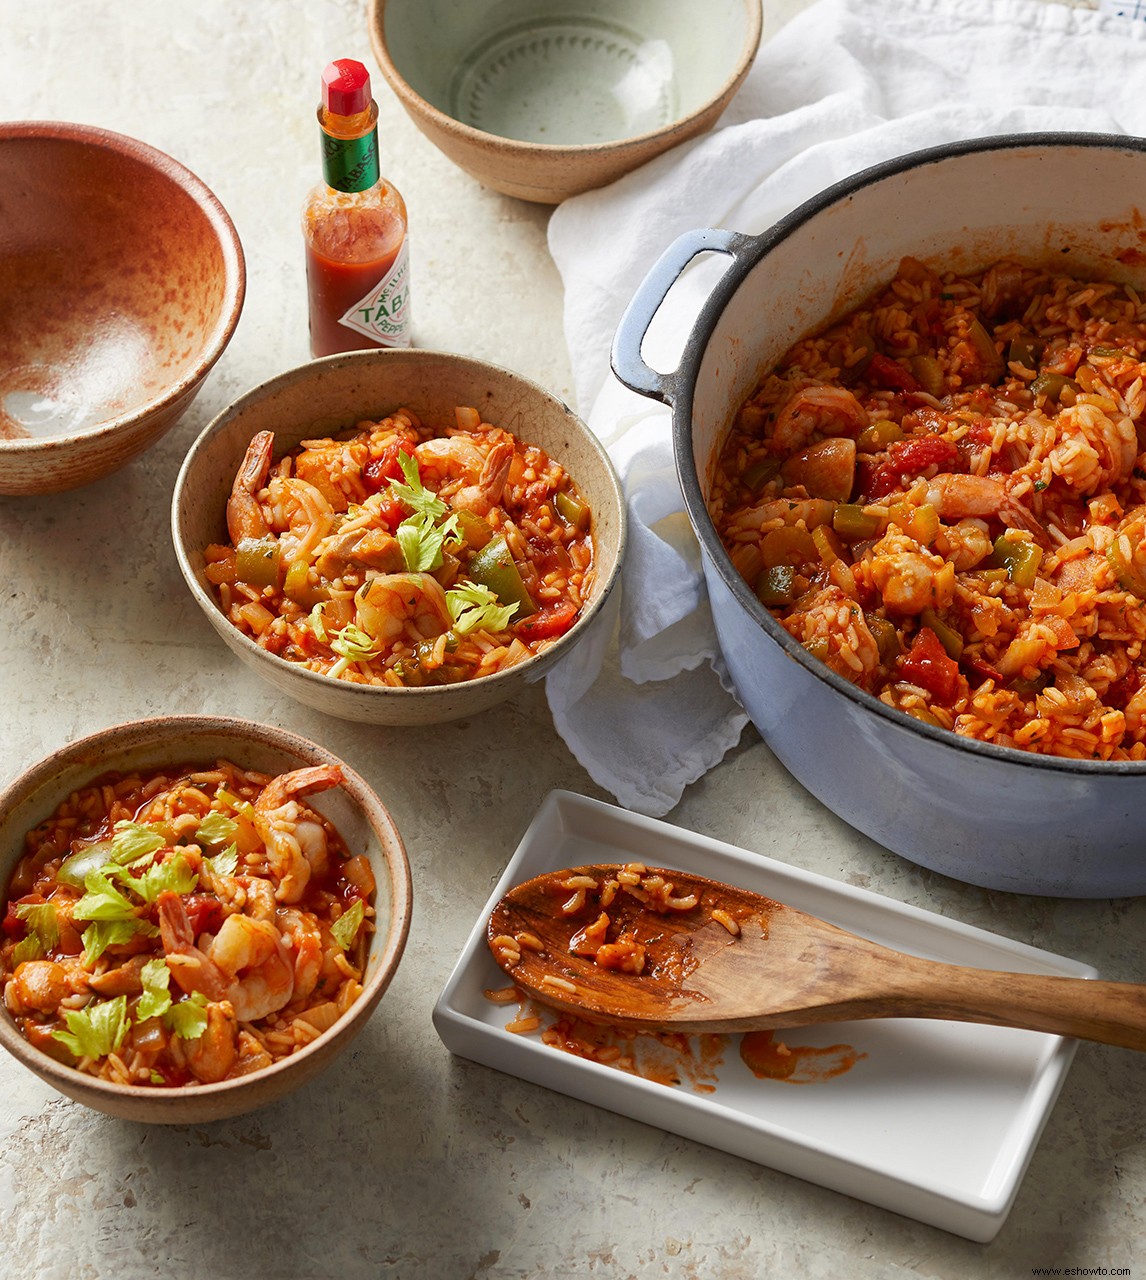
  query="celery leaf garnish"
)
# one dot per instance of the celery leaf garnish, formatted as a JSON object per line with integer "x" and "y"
{"x": 223, "y": 864}
{"x": 352, "y": 644}
{"x": 101, "y": 934}
{"x": 174, "y": 873}
{"x": 95, "y": 1031}
{"x": 413, "y": 494}
{"x": 474, "y": 607}
{"x": 215, "y": 829}
{"x": 102, "y": 901}
{"x": 42, "y": 922}
{"x": 134, "y": 841}
{"x": 156, "y": 999}
{"x": 188, "y": 1018}
{"x": 28, "y": 948}
{"x": 422, "y": 540}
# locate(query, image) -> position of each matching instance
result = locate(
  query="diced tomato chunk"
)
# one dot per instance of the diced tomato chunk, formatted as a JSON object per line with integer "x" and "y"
{"x": 1122, "y": 690}
{"x": 877, "y": 482}
{"x": 910, "y": 457}
{"x": 548, "y": 623}
{"x": 204, "y": 911}
{"x": 13, "y": 926}
{"x": 890, "y": 375}
{"x": 378, "y": 472}
{"x": 929, "y": 665}
{"x": 913, "y": 456}
{"x": 984, "y": 670}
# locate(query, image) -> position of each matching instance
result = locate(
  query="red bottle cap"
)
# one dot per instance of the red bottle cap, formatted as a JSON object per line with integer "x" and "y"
{"x": 345, "y": 87}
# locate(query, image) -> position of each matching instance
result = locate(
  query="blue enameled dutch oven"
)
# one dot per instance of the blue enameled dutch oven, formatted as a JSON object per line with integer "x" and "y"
{"x": 989, "y": 815}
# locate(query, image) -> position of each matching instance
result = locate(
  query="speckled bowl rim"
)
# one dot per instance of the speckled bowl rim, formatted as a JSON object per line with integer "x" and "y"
{"x": 399, "y": 888}
{"x": 234, "y": 267}
{"x": 533, "y": 668}
{"x": 515, "y": 147}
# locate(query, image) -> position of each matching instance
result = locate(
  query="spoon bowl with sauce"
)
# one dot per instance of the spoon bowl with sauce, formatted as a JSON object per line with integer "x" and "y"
{"x": 660, "y": 950}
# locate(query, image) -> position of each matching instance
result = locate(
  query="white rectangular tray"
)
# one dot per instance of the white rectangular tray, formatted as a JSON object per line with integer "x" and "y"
{"x": 937, "y": 1122}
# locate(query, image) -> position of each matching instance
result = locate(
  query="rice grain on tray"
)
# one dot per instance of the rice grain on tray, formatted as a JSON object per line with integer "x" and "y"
{"x": 943, "y": 498}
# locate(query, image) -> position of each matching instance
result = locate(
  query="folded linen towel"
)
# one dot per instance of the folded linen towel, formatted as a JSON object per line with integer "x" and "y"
{"x": 645, "y": 706}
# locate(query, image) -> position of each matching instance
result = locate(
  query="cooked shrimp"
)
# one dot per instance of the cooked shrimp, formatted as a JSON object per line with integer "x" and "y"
{"x": 909, "y": 578}
{"x": 252, "y": 953}
{"x": 1094, "y": 451}
{"x": 965, "y": 543}
{"x": 301, "y": 516}
{"x": 305, "y": 938}
{"x": 463, "y": 474}
{"x": 296, "y": 844}
{"x": 956, "y": 496}
{"x": 245, "y": 517}
{"x": 211, "y": 1055}
{"x": 830, "y": 411}
{"x": 246, "y": 963}
{"x": 397, "y": 606}
{"x": 124, "y": 980}
{"x": 260, "y": 898}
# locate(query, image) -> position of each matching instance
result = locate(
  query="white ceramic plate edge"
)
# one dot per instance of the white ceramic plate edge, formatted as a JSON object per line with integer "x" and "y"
{"x": 975, "y": 1214}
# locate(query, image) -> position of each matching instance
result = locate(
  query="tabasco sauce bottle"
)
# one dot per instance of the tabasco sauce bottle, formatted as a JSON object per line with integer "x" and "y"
{"x": 354, "y": 224}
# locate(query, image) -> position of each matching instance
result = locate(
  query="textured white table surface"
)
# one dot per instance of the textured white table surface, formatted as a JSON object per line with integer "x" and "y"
{"x": 402, "y": 1161}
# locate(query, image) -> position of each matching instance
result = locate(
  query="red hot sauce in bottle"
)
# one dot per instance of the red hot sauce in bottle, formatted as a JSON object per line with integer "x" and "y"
{"x": 354, "y": 225}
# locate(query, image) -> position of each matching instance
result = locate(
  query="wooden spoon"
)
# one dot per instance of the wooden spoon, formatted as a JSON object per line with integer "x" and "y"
{"x": 767, "y": 965}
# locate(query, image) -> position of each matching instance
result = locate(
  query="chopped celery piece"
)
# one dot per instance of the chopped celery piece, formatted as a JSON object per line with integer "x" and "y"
{"x": 776, "y": 585}
{"x": 947, "y": 636}
{"x": 475, "y": 531}
{"x": 572, "y": 509}
{"x": 928, "y": 373}
{"x": 757, "y": 475}
{"x": 984, "y": 344}
{"x": 878, "y": 436}
{"x": 1055, "y": 386}
{"x": 1130, "y": 575}
{"x": 853, "y": 523}
{"x": 1020, "y": 559}
{"x": 258, "y": 561}
{"x": 885, "y": 635}
{"x": 1024, "y": 352}
{"x": 298, "y": 586}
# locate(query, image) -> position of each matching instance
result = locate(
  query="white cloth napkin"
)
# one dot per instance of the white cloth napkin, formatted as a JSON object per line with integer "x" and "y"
{"x": 644, "y": 703}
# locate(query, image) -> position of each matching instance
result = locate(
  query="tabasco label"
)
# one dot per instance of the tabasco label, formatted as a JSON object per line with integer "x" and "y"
{"x": 384, "y": 313}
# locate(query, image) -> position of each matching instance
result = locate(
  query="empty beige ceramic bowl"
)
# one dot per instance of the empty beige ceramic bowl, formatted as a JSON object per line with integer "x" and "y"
{"x": 542, "y": 102}
{"x": 361, "y": 819}
{"x": 121, "y": 282}
{"x": 332, "y": 395}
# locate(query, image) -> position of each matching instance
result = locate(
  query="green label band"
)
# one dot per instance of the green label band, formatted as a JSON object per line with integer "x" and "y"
{"x": 350, "y": 164}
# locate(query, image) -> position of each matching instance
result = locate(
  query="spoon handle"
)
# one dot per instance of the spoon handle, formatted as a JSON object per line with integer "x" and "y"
{"x": 1108, "y": 1012}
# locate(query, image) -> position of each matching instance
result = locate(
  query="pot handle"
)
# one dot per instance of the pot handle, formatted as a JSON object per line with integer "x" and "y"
{"x": 626, "y": 359}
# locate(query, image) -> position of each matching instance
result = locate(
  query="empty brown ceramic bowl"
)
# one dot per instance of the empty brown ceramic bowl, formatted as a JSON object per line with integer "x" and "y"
{"x": 333, "y": 395}
{"x": 356, "y": 811}
{"x": 121, "y": 282}
{"x": 543, "y": 102}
